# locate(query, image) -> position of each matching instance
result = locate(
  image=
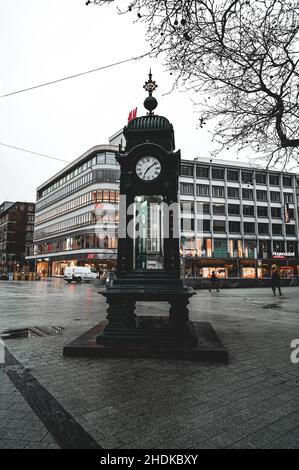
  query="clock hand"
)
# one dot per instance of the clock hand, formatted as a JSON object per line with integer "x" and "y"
{"x": 148, "y": 169}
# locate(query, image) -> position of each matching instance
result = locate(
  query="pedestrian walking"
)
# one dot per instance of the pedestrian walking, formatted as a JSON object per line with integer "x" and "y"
{"x": 276, "y": 281}
{"x": 214, "y": 282}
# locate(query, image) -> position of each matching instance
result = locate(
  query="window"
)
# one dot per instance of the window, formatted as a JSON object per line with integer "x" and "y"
{"x": 277, "y": 229}
{"x": 263, "y": 228}
{"x": 187, "y": 224}
{"x": 278, "y": 245}
{"x": 248, "y": 210}
{"x": 276, "y": 212}
{"x": 261, "y": 195}
{"x": 247, "y": 194}
{"x": 288, "y": 197}
{"x": 187, "y": 207}
{"x": 247, "y": 177}
{"x": 249, "y": 227}
{"x": 108, "y": 175}
{"x": 274, "y": 180}
{"x": 262, "y": 211}
{"x": 234, "y": 209}
{"x": 264, "y": 248}
{"x": 219, "y": 226}
{"x": 291, "y": 246}
{"x": 233, "y": 192}
{"x": 218, "y": 191}
{"x": 232, "y": 175}
{"x": 100, "y": 158}
{"x": 206, "y": 226}
{"x": 274, "y": 196}
{"x": 187, "y": 189}
{"x": 202, "y": 190}
{"x": 186, "y": 170}
{"x": 110, "y": 159}
{"x": 203, "y": 225}
{"x": 203, "y": 207}
{"x": 234, "y": 227}
{"x": 287, "y": 181}
{"x": 219, "y": 209}
{"x": 261, "y": 178}
{"x": 217, "y": 173}
{"x": 220, "y": 248}
{"x": 202, "y": 172}
{"x": 290, "y": 229}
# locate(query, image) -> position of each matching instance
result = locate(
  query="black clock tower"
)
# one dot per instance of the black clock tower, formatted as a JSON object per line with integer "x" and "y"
{"x": 148, "y": 260}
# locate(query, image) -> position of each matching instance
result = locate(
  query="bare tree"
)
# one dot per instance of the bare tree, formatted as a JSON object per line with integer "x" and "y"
{"x": 241, "y": 58}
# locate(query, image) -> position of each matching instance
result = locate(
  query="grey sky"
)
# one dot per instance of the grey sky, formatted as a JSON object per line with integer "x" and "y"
{"x": 43, "y": 40}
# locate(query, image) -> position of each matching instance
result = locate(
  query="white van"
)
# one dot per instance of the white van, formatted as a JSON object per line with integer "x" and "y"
{"x": 80, "y": 273}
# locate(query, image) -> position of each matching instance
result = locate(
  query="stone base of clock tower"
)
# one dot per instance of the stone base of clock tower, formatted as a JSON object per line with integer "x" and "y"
{"x": 127, "y": 334}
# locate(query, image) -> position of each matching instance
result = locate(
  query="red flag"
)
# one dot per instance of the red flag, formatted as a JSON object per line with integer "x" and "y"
{"x": 132, "y": 114}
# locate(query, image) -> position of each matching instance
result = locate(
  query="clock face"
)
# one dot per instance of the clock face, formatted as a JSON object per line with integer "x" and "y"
{"x": 148, "y": 168}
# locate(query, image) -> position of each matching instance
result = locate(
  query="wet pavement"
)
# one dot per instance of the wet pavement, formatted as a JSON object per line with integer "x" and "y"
{"x": 51, "y": 401}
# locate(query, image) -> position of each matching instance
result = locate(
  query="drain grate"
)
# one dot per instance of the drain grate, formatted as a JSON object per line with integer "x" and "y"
{"x": 31, "y": 332}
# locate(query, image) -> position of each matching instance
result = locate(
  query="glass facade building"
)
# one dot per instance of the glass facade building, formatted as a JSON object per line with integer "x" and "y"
{"x": 77, "y": 215}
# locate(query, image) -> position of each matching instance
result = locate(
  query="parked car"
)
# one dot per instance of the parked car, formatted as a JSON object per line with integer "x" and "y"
{"x": 80, "y": 273}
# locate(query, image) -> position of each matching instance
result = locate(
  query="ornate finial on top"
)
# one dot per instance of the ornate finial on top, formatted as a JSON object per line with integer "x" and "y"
{"x": 150, "y": 103}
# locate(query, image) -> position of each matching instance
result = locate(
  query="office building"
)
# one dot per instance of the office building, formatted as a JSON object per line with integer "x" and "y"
{"x": 16, "y": 231}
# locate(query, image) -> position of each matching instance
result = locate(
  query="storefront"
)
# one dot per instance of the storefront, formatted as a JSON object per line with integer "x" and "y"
{"x": 196, "y": 267}
{"x": 42, "y": 267}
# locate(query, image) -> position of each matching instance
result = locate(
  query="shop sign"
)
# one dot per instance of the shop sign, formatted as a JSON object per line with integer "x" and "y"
{"x": 286, "y": 213}
{"x": 90, "y": 256}
{"x": 283, "y": 254}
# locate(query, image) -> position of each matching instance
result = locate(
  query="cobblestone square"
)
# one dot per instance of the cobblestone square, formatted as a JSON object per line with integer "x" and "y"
{"x": 50, "y": 401}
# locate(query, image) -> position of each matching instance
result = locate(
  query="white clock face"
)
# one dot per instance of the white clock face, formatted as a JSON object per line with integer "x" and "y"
{"x": 148, "y": 168}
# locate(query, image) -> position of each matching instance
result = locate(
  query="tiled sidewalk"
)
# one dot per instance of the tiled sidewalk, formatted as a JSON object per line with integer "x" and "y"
{"x": 120, "y": 403}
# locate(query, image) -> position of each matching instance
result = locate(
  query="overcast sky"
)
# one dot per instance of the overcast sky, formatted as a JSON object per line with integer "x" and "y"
{"x": 44, "y": 40}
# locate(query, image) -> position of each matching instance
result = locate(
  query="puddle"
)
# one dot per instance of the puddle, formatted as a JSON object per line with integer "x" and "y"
{"x": 31, "y": 332}
{"x": 271, "y": 306}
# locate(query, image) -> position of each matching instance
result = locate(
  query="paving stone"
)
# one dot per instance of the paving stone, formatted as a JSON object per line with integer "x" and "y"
{"x": 252, "y": 402}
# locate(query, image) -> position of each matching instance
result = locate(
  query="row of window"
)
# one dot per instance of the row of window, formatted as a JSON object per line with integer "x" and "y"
{"x": 75, "y": 242}
{"x": 235, "y": 209}
{"x": 20, "y": 207}
{"x": 236, "y": 248}
{"x": 107, "y": 158}
{"x": 187, "y": 189}
{"x": 204, "y": 225}
{"x": 98, "y": 216}
{"x": 66, "y": 191}
{"x": 97, "y": 176}
{"x": 78, "y": 221}
{"x": 102, "y": 195}
{"x": 234, "y": 175}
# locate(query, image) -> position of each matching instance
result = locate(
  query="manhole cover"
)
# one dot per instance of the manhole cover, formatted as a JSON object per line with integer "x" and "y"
{"x": 271, "y": 306}
{"x": 31, "y": 332}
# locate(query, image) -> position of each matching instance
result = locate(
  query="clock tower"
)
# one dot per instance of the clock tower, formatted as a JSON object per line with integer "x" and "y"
{"x": 148, "y": 261}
